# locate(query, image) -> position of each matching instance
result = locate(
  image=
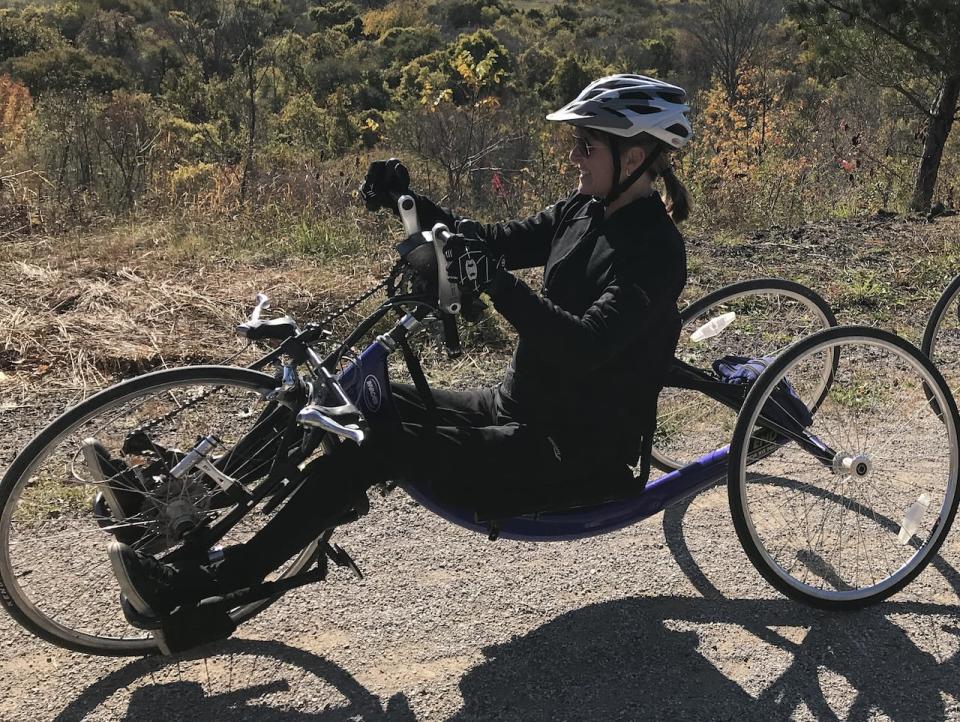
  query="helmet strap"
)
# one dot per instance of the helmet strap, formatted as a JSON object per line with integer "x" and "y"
{"x": 619, "y": 188}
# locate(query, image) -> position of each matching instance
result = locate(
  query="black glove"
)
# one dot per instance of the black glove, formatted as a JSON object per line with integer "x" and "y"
{"x": 385, "y": 179}
{"x": 470, "y": 263}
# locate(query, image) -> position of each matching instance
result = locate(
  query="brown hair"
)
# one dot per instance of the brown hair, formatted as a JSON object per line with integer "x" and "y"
{"x": 677, "y": 197}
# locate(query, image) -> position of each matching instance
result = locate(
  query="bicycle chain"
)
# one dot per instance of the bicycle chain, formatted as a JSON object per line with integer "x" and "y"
{"x": 388, "y": 281}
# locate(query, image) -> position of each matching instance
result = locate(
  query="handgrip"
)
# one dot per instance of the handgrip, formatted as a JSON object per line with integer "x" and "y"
{"x": 407, "y": 208}
{"x": 449, "y": 293}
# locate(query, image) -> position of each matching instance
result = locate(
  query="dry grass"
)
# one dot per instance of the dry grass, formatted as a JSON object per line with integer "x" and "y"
{"x": 78, "y": 312}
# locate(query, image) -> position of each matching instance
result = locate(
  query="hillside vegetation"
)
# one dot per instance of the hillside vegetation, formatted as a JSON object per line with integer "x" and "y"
{"x": 183, "y": 153}
{"x": 202, "y": 107}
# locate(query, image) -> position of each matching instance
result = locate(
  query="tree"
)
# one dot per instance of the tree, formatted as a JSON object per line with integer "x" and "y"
{"x": 67, "y": 68}
{"x": 247, "y": 24}
{"x": 730, "y": 32}
{"x": 922, "y": 52}
{"x": 19, "y": 36}
{"x": 333, "y": 13}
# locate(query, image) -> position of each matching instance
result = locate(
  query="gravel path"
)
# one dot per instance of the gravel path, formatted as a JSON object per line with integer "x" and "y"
{"x": 448, "y": 625}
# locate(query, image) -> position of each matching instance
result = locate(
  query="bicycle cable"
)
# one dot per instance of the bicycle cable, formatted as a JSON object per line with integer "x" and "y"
{"x": 388, "y": 281}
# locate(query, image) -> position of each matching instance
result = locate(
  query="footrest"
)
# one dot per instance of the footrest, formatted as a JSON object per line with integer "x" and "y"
{"x": 185, "y": 628}
{"x": 192, "y": 626}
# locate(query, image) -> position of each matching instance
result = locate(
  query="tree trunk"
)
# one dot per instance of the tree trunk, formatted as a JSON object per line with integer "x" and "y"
{"x": 938, "y": 128}
{"x": 251, "y": 125}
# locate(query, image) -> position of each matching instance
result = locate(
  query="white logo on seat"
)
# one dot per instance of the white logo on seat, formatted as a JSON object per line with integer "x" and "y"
{"x": 372, "y": 393}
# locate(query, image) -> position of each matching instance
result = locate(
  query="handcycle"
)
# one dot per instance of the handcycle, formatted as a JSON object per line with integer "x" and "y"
{"x": 841, "y": 473}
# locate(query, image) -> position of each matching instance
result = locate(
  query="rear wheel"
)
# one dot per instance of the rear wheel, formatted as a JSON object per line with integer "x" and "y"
{"x": 856, "y": 525}
{"x": 941, "y": 336}
{"x": 768, "y": 314}
{"x": 58, "y": 516}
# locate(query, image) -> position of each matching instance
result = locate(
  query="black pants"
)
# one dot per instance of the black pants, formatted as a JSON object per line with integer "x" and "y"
{"x": 473, "y": 450}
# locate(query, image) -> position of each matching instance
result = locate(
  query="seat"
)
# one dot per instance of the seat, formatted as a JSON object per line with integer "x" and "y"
{"x": 550, "y": 498}
{"x": 277, "y": 329}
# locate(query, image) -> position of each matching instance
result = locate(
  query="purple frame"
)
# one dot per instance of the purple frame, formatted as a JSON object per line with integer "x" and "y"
{"x": 366, "y": 382}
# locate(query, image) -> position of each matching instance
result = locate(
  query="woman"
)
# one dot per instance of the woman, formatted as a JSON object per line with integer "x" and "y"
{"x": 578, "y": 400}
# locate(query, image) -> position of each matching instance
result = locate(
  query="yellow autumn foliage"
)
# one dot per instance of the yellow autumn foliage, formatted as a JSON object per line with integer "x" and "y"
{"x": 16, "y": 106}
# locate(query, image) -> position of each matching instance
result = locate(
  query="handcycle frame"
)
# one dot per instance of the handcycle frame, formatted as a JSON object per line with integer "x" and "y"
{"x": 340, "y": 395}
{"x": 365, "y": 382}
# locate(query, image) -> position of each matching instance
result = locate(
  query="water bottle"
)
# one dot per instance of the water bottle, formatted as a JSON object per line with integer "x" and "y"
{"x": 712, "y": 327}
{"x": 911, "y": 520}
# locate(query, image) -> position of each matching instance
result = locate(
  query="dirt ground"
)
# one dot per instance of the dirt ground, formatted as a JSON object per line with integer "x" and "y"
{"x": 666, "y": 619}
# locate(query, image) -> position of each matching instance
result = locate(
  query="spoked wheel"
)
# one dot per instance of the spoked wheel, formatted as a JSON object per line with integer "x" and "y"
{"x": 857, "y": 524}
{"x": 941, "y": 336}
{"x": 760, "y": 317}
{"x": 58, "y": 516}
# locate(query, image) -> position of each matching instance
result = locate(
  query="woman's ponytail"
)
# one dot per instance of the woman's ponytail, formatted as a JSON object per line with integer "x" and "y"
{"x": 678, "y": 197}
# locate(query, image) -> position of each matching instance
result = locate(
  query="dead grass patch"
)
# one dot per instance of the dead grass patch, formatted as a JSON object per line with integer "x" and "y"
{"x": 83, "y": 311}
{"x": 80, "y": 311}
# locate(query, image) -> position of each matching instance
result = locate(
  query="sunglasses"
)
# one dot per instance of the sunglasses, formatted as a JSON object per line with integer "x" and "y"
{"x": 582, "y": 146}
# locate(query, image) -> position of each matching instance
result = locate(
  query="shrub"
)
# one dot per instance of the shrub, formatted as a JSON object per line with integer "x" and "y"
{"x": 66, "y": 68}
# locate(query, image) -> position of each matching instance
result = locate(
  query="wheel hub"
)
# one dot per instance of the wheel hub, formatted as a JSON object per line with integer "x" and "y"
{"x": 179, "y": 506}
{"x": 856, "y": 465}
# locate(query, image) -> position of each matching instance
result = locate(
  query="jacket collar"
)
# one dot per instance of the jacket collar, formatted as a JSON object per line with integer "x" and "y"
{"x": 632, "y": 218}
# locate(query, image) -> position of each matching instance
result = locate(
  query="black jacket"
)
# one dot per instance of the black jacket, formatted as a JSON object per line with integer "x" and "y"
{"x": 595, "y": 343}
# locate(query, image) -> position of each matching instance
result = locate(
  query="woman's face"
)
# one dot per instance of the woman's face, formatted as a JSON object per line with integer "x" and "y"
{"x": 592, "y": 157}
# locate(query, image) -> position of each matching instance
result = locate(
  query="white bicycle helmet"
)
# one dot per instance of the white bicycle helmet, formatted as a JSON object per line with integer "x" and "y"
{"x": 625, "y": 105}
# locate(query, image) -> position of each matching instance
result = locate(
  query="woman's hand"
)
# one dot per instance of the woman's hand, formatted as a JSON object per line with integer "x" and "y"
{"x": 385, "y": 180}
{"x": 470, "y": 263}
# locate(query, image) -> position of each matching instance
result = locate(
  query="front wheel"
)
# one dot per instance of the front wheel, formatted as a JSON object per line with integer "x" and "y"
{"x": 852, "y": 522}
{"x": 60, "y": 508}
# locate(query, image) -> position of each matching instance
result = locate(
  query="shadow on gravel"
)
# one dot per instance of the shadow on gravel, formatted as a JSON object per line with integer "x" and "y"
{"x": 221, "y": 687}
{"x": 632, "y": 659}
{"x": 673, "y": 517}
{"x": 677, "y": 543}
{"x": 677, "y": 658}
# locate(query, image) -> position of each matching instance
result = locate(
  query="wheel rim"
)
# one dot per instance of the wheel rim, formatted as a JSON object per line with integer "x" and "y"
{"x": 768, "y": 319}
{"x": 52, "y": 550}
{"x": 832, "y": 532}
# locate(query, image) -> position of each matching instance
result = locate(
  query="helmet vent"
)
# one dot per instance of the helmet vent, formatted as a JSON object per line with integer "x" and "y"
{"x": 635, "y": 95}
{"x": 678, "y": 129}
{"x": 677, "y": 98}
{"x": 643, "y": 109}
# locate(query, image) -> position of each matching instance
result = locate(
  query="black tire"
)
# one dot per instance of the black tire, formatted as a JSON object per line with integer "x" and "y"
{"x": 889, "y": 443}
{"x": 941, "y": 335}
{"x": 707, "y": 424}
{"x": 41, "y": 504}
